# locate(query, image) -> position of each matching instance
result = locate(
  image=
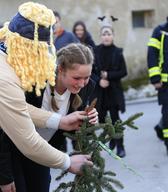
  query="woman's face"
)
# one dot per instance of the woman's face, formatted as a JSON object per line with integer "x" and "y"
{"x": 107, "y": 36}
{"x": 76, "y": 78}
{"x": 79, "y": 31}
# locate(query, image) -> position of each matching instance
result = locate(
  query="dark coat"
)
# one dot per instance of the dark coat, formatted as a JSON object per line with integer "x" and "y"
{"x": 89, "y": 40}
{"x": 57, "y": 141}
{"x": 6, "y": 175}
{"x": 109, "y": 59}
{"x": 153, "y": 61}
{"x": 86, "y": 94}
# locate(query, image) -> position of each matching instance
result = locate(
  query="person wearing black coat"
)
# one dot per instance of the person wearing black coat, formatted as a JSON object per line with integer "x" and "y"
{"x": 58, "y": 141}
{"x": 157, "y": 58}
{"x": 86, "y": 95}
{"x": 108, "y": 70}
{"x": 74, "y": 76}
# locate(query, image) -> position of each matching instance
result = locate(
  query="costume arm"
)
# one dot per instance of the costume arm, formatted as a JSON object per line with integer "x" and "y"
{"x": 17, "y": 124}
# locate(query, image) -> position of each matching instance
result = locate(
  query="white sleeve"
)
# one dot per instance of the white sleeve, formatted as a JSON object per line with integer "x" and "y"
{"x": 54, "y": 121}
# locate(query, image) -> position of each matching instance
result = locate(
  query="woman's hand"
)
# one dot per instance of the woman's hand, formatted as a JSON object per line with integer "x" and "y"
{"x": 73, "y": 121}
{"x": 104, "y": 74}
{"x": 77, "y": 161}
{"x": 93, "y": 116}
{"x": 8, "y": 188}
{"x": 104, "y": 83}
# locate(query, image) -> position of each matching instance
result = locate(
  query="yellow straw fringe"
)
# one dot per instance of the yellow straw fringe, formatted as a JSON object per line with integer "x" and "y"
{"x": 37, "y": 13}
{"x": 3, "y": 31}
{"x": 32, "y": 62}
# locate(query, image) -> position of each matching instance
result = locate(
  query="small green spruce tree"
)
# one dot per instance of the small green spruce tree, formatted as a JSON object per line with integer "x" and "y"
{"x": 95, "y": 179}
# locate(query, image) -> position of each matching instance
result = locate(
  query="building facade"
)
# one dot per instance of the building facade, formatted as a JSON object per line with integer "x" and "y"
{"x": 132, "y": 31}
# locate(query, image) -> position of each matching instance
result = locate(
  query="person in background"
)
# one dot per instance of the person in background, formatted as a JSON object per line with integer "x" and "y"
{"x": 108, "y": 70}
{"x": 158, "y": 73}
{"x": 26, "y": 62}
{"x": 62, "y": 37}
{"x": 80, "y": 31}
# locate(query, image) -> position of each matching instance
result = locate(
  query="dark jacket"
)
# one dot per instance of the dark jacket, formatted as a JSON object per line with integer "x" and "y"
{"x": 86, "y": 94}
{"x": 158, "y": 61}
{"x": 6, "y": 175}
{"x": 89, "y": 41}
{"x": 110, "y": 59}
{"x": 57, "y": 141}
{"x": 65, "y": 39}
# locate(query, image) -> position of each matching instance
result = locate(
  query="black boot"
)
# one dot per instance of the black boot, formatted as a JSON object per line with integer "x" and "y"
{"x": 166, "y": 144}
{"x": 112, "y": 144}
{"x": 120, "y": 148}
{"x": 159, "y": 132}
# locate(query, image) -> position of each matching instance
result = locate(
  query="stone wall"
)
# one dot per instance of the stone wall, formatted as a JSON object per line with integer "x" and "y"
{"x": 133, "y": 40}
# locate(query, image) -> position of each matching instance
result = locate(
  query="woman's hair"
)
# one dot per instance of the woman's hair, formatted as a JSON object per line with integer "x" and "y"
{"x": 74, "y": 53}
{"x": 84, "y": 28}
{"x": 66, "y": 58}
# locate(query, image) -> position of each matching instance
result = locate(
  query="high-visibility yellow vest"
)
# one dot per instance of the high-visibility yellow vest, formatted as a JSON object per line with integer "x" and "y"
{"x": 157, "y": 70}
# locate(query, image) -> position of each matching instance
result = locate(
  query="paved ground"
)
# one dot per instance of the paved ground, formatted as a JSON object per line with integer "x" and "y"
{"x": 145, "y": 153}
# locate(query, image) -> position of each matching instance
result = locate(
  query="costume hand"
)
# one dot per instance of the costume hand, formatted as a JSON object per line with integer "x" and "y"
{"x": 8, "y": 188}
{"x": 77, "y": 161}
{"x": 104, "y": 83}
{"x": 73, "y": 121}
{"x": 93, "y": 116}
{"x": 158, "y": 85}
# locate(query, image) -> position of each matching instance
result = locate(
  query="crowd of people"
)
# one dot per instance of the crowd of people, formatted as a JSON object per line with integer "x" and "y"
{"x": 41, "y": 97}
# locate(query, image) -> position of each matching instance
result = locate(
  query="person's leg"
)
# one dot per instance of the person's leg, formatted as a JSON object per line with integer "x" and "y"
{"x": 165, "y": 124}
{"x": 18, "y": 173}
{"x": 37, "y": 177}
{"x": 14, "y": 167}
{"x": 19, "y": 176}
{"x": 102, "y": 112}
{"x": 119, "y": 143}
{"x": 59, "y": 141}
{"x": 114, "y": 117}
{"x": 159, "y": 129}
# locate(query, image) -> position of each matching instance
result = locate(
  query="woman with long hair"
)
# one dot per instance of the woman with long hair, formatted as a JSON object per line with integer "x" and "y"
{"x": 80, "y": 31}
{"x": 71, "y": 93}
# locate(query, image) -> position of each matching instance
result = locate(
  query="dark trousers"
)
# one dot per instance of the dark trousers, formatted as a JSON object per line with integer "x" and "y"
{"x": 33, "y": 177}
{"x": 114, "y": 114}
{"x": 165, "y": 122}
{"x": 29, "y": 176}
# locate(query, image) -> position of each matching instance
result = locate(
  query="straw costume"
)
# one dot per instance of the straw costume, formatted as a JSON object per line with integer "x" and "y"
{"x": 27, "y": 60}
{"x": 28, "y": 38}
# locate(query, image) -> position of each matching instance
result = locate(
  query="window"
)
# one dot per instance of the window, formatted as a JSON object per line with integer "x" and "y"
{"x": 143, "y": 19}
